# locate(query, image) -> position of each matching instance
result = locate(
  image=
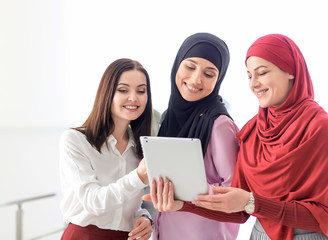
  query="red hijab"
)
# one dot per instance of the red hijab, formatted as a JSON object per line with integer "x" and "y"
{"x": 283, "y": 150}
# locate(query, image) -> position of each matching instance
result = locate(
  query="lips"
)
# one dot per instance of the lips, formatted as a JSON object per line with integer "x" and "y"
{"x": 260, "y": 93}
{"x": 192, "y": 88}
{"x": 131, "y": 107}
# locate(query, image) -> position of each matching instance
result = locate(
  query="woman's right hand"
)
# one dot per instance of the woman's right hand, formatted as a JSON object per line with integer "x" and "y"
{"x": 162, "y": 196}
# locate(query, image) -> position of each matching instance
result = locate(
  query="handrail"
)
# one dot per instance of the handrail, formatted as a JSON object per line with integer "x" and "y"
{"x": 19, "y": 213}
{"x": 24, "y": 200}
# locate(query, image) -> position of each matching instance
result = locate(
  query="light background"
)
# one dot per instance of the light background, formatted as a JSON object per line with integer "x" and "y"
{"x": 54, "y": 52}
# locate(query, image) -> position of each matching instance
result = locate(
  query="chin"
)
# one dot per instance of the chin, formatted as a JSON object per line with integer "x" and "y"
{"x": 190, "y": 99}
{"x": 263, "y": 105}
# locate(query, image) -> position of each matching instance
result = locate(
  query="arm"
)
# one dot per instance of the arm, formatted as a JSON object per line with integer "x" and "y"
{"x": 162, "y": 196}
{"x": 77, "y": 175}
{"x": 221, "y": 154}
{"x": 238, "y": 217}
{"x": 233, "y": 200}
{"x": 291, "y": 214}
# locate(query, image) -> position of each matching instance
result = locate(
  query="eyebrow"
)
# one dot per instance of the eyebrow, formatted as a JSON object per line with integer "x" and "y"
{"x": 262, "y": 66}
{"x": 257, "y": 68}
{"x": 212, "y": 68}
{"x": 125, "y": 84}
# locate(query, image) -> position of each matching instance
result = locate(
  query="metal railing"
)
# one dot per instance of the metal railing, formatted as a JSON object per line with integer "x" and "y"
{"x": 19, "y": 214}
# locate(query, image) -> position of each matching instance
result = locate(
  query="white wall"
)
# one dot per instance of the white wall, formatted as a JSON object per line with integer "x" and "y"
{"x": 34, "y": 63}
{"x": 53, "y": 54}
{"x": 152, "y": 31}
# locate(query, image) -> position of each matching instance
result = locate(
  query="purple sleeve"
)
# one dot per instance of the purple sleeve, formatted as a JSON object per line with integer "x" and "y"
{"x": 222, "y": 150}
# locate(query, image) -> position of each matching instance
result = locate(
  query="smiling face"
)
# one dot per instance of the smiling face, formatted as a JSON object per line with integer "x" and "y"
{"x": 130, "y": 97}
{"x": 196, "y": 78}
{"x": 270, "y": 84}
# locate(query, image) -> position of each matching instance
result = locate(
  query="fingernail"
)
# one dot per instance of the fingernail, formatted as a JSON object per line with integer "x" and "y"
{"x": 130, "y": 234}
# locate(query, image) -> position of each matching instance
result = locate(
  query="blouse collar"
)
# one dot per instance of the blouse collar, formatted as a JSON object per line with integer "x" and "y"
{"x": 112, "y": 140}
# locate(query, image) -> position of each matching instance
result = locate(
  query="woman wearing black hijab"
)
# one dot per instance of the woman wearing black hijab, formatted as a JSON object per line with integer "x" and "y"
{"x": 196, "y": 110}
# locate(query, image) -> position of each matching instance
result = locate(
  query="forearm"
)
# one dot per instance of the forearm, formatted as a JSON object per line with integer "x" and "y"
{"x": 99, "y": 199}
{"x": 95, "y": 190}
{"x": 290, "y": 214}
{"x": 238, "y": 217}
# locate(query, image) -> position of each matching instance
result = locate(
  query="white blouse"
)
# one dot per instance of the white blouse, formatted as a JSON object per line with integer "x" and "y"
{"x": 99, "y": 189}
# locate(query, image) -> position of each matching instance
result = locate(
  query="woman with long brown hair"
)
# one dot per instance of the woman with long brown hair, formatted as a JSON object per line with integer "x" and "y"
{"x": 101, "y": 178}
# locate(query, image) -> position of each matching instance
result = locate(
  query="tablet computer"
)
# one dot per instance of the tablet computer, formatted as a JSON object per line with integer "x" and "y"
{"x": 179, "y": 159}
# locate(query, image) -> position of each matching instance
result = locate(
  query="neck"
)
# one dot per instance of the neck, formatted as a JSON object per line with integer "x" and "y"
{"x": 120, "y": 130}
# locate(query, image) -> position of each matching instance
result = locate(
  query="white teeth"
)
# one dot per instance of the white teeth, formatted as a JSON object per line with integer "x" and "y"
{"x": 191, "y": 88}
{"x": 259, "y": 93}
{"x": 131, "y": 107}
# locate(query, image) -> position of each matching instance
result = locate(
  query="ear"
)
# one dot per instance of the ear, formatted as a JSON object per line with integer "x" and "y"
{"x": 291, "y": 77}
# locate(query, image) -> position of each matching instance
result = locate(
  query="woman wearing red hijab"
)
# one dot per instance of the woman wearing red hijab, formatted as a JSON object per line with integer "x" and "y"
{"x": 281, "y": 173}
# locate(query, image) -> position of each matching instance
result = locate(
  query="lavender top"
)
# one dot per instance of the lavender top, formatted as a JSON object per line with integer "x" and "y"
{"x": 220, "y": 160}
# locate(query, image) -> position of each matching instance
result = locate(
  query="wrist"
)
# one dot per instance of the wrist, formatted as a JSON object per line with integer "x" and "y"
{"x": 149, "y": 218}
{"x": 142, "y": 176}
{"x": 250, "y": 206}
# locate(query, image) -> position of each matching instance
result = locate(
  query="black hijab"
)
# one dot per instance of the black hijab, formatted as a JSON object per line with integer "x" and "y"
{"x": 195, "y": 119}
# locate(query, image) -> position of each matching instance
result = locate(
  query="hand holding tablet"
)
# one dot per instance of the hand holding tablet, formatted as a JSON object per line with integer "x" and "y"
{"x": 180, "y": 160}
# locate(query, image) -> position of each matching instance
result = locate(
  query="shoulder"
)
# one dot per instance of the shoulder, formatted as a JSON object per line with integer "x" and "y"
{"x": 322, "y": 117}
{"x": 314, "y": 116}
{"x": 223, "y": 122}
{"x": 71, "y": 134}
{"x": 72, "y": 137}
{"x": 224, "y": 128}
{"x": 319, "y": 123}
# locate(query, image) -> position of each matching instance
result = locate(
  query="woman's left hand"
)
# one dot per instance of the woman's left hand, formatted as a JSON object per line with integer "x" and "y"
{"x": 142, "y": 229}
{"x": 226, "y": 199}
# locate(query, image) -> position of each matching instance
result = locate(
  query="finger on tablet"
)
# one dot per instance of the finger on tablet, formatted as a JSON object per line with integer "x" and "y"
{"x": 153, "y": 193}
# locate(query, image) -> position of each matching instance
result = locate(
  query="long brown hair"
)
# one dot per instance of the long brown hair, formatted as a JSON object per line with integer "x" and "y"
{"x": 99, "y": 124}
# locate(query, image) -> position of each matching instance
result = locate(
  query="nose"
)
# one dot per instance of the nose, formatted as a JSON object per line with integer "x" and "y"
{"x": 196, "y": 77}
{"x": 132, "y": 96}
{"x": 253, "y": 82}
